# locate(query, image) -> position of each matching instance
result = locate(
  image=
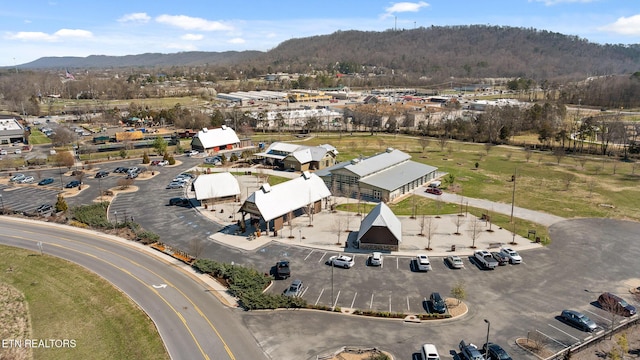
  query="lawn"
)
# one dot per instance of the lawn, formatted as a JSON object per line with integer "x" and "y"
{"x": 574, "y": 187}
{"x": 65, "y": 301}
{"x": 38, "y": 138}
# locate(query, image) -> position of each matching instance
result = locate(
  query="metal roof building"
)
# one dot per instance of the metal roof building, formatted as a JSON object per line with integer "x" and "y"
{"x": 380, "y": 230}
{"x": 215, "y": 139}
{"x": 276, "y": 204}
{"x": 382, "y": 177}
{"x": 299, "y": 157}
{"x": 215, "y": 188}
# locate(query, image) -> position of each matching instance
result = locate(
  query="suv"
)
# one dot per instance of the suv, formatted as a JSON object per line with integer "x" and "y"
{"x": 422, "y": 262}
{"x": 615, "y": 304}
{"x": 495, "y": 352}
{"x": 179, "y": 201}
{"x": 512, "y": 255}
{"x": 295, "y": 289}
{"x": 283, "y": 270}
{"x": 341, "y": 261}
{"x": 437, "y": 303}
{"x": 469, "y": 351}
{"x": 375, "y": 259}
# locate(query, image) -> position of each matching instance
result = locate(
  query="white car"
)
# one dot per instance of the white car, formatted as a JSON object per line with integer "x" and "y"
{"x": 17, "y": 178}
{"x": 422, "y": 262}
{"x": 375, "y": 259}
{"x": 455, "y": 261}
{"x": 341, "y": 261}
{"x": 192, "y": 152}
{"x": 163, "y": 163}
{"x": 175, "y": 185}
{"x": 512, "y": 255}
{"x": 27, "y": 180}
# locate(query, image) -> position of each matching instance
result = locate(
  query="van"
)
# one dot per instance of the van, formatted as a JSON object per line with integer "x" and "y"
{"x": 429, "y": 352}
{"x": 435, "y": 184}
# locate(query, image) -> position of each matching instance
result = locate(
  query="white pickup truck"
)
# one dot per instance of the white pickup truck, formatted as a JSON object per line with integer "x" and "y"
{"x": 486, "y": 259}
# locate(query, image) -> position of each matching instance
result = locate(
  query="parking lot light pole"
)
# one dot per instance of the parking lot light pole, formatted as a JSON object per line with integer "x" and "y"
{"x": 486, "y": 350}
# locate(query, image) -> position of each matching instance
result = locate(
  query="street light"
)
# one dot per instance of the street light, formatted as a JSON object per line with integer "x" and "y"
{"x": 486, "y": 349}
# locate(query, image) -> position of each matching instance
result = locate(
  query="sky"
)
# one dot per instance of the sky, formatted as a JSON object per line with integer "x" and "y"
{"x": 33, "y": 29}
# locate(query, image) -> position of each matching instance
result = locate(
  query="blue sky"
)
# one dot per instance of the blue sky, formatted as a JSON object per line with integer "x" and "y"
{"x": 33, "y": 29}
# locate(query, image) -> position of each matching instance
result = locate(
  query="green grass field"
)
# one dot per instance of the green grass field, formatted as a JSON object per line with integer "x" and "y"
{"x": 66, "y": 301}
{"x": 601, "y": 188}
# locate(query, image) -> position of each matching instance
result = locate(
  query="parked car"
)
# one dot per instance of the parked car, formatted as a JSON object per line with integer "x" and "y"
{"x": 500, "y": 258}
{"x": 512, "y": 255}
{"x": 27, "y": 180}
{"x": 72, "y": 184}
{"x": 102, "y": 173}
{"x": 341, "y": 261}
{"x": 437, "y": 303}
{"x": 429, "y": 352}
{"x": 192, "y": 153}
{"x": 176, "y": 185}
{"x": 615, "y": 304}
{"x": 46, "y": 181}
{"x": 132, "y": 174}
{"x": 163, "y": 163}
{"x": 455, "y": 261}
{"x": 183, "y": 179}
{"x": 17, "y": 178}
{"x": 422, "y": 262}
{"x": 44, "y": 208}
{"x": 283, "y": 270}
{"x": 121, "y": 170}
{"x": 375, "y": 259}
{"x": 434, "y": 191}
{"x": 495, "y": 352}
{"x": 469, "y": 351}
{"x": 178, "y": 201}
{"x": 3, "y": 152}
{"x": 295, "y": 289}
{"x": 578, "y": 320}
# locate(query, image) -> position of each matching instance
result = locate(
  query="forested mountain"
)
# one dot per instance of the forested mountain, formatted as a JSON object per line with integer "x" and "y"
{"x": 436, "y": 53}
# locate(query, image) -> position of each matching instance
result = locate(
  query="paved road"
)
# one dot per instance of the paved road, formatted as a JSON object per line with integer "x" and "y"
{"x": 191, "y": 322}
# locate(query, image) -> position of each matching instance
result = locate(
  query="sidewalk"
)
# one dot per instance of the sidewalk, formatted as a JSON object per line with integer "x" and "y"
{"x": 322, "y": 233}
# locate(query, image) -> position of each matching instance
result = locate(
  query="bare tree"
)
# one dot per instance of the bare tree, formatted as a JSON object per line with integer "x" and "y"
{"x": 431, "y": 226}
{"x": 65, "y": 159}
{"x": 442, "y": 141}
{"x": 458, "y": 292}
{"x": 610, "y": 304}
{"x": 567, "y": 178}
{"x": 196, "y": 247}
{"x": 527, "y": 154}
{"x": 591, "y": 184}
{"x": 582, "y": 160}
{"x": 458, "y": 221}
{"x": 559, "y": 153}
{"x": 475, "y": 229}
{"x": 338, "y": 227}
{"x": 125, "y": 183}
{"x": 424, "y": 143}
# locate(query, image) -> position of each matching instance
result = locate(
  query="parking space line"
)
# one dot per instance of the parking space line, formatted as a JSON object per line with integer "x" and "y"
{"x": 311, "y": 252}
{"x": 408, "y": 306}
{"x": 397, "y": 263}
{"x": 319, "y": 296}
{"x": 322, "y": 257}
{"x": 304, "y": 291}
{"x": 552, "y": 339}
{"x": 564, "y": 332}
{"x": 337, "y": 297}
{"x": 354, "y": 299}
{"x": 371, "y": 303}
{"x": 389, "y": 302}
{"x": 424, "y": 301}
{"x": 601, "y": 317}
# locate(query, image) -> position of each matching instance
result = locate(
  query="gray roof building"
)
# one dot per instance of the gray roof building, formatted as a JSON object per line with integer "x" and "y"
{"x": 380, "y": 230}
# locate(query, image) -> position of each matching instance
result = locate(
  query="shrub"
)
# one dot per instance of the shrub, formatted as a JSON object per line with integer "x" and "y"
{"x": 171, "y": 160}
{"x": 145, "y": 158}
{"x": 147, "y": 237}
{"x": 61, "y": 204}
{"x": 94, "y": 215}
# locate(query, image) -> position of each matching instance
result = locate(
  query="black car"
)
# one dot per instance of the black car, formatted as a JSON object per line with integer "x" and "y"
{"x": 101, "y": 174}
{"x": 72, "y": 184}
{"x": 495, "y": 352}
{"x": 615, "y": 304}
{"x": 283, "y": 270}
{"x": 44, "y": 208}
{"x": 179, "y": 202}
{"x": 500, "y": 258}
{"x": 437, "y": 303}
{"x": 120, "y": 170}
{"x": 46, "y": 181}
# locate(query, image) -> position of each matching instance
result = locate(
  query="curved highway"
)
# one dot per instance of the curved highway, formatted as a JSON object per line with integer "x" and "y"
{"x": 191, "y": 321}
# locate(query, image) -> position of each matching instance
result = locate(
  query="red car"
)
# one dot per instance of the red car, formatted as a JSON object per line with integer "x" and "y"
{"x": 434, "y": 191}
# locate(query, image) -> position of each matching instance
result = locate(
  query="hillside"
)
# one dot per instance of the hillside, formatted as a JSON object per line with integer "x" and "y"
{"x": 473, "y": 51}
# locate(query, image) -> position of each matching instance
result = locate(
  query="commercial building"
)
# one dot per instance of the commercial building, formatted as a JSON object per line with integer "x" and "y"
{"x": 270, "y": 207}
{"x": 10, "y": 131}
{"x": 299, "y": 157}
{"x": 216, "y": 188}
{"x": 380, "y": 230}
{"x": 223, "y": 138}
{"x": 382, "y": 177}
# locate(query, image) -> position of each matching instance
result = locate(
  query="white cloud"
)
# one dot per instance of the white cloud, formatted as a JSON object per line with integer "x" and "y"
{"x": 406, "y": 7}
{"x": 40, "y": 36}
{"x": 73, "y": 33}
{"x": 624, "y": 25}
{"x": 236, "y": 41}
{"x": 192, "y": 23}
{"x": 135, "y": 17}
{"x": 192, "y": 37}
